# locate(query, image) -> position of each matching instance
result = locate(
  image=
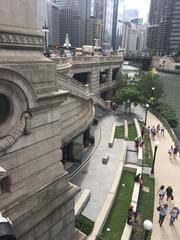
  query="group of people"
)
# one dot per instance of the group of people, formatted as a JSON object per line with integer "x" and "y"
{"x": 173, "y": 151}
{"x": 155, "y": 131}
{"x": 163, "y": 205}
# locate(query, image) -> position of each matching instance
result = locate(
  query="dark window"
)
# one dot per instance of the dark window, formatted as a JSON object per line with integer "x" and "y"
{"x": 5, "y": 108}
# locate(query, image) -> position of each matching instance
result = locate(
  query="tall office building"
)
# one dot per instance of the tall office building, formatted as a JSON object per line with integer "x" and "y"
{"x": 72, "y": 17}
{"x": 41, "y": 13}
{"x": 164, "y": 26}
{"x": 93, "y": 31}
{"x": 103, "y": 10}
{"x": 48, "y": 12}
{"x": 118, "y": 13}
{"x": 53, "y": 22}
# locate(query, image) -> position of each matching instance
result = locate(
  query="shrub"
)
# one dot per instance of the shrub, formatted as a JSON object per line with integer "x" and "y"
{"x": 168, "y": 113}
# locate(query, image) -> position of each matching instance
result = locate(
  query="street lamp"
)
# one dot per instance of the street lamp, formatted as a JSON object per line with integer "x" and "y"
{"x": 153, "y": 89}
{"x": 45, "y": 30}
{"x": 147, "y": 227}
{"x": 147, "y": 107}
{"x": 154, "y": 158}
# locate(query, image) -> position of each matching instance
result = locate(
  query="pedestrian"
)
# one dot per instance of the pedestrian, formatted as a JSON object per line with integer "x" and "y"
{"x": 174, "y": 215}
{"x": 162, "y": 131}
{"x": 142, "y": 132}
{"x": 139, "y": 180}
{"x": 162, "y": 213}
{"x": 153, "y": 132}
{"x": 169, "y": 193}
{"x": 131, "y": 215}
{"x": 175, "y": 151}
{"x": 158, "y": 129}
{"x": 148, "y": 129}
{"x": 161, "y": 193}
{"x": 170, "y": 152}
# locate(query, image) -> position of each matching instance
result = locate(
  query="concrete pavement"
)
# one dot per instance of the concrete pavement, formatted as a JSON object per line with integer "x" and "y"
{"x": 167, "y": 172}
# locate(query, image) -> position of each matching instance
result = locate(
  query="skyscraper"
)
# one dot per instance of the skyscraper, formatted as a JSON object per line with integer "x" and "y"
{"x": 164, "y": 29}
{"x": 53, "y": 23}
{"x": 130, "y": 14}
{"x": 118, "y": 13}
{"x": 73, "y": 16}
{"x": 103, "y": 10}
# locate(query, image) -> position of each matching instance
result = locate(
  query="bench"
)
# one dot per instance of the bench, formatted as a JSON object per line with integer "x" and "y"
{"x": 111, "y": 141}
{"x": 105, "y": 159}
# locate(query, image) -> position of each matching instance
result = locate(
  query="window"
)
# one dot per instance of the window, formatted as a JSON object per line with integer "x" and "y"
{"x": 5, "y": 108}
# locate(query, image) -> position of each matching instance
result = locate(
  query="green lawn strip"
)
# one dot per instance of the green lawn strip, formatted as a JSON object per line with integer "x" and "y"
{"x": 145, "y": 208}
{"x": 132, "y": 133}
{"x": 118, "y": 214}
{"x": 119, "y": 133}
{"x": 148, "y": 156}
{"x": 84, "y": 224}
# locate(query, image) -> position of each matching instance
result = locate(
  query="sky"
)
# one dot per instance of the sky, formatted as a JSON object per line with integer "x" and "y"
{"x": 141, "y": 5}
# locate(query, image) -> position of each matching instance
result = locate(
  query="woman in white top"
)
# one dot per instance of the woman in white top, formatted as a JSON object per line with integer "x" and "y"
{"x": 161, "y": 193}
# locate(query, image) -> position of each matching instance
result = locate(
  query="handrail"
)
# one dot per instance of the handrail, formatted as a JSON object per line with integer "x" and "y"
{"x": 73, "y": 86}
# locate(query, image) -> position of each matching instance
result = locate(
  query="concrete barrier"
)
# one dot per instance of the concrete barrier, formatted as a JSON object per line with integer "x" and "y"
{"x": 134, "y": 201}
{"x": 81, "y": 203}
{"x": 138, "y": 129}
{"x": 125, "y": 130}
{"x": 111, "y": 141}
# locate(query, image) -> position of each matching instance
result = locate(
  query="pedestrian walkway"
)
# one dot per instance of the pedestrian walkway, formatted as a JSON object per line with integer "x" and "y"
{"x": 99, "y": 177}
{"x": 167, "y": 172}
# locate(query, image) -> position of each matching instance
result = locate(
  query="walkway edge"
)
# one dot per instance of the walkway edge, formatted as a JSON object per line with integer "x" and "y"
{"x": 101, "y": 219}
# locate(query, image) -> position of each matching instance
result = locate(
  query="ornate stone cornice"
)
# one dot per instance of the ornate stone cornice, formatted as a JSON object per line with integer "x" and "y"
{"x": 19, "y": 40}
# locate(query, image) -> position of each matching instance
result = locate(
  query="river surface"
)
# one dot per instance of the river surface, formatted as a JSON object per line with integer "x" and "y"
{"x": 171, "y": 85}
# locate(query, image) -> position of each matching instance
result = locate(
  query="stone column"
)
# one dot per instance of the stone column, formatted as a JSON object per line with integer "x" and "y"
{"x": 94, "y": 79}
{"x": 109, "y": 75}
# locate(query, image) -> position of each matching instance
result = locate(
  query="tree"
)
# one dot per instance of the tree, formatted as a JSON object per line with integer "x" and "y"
{"x": 123, "y": 79}
{"x": 127, "y": 95}
{"x": 150, "y": 86}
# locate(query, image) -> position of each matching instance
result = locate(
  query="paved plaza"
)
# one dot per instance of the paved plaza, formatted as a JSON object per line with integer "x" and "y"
{"x": 98, "y": 177}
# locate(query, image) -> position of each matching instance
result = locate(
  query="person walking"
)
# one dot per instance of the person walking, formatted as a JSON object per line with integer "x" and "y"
{"x": 170, "y": 152}
{"x": 162, "y": 213}
{"x": 175, "y": 151}
{"x": 162, "y": 131}
{"x": 174, "y": 215}
{"x": 161, "y": 193}
{"x": 169, "y": 193}
{"x": 158, "y": 129}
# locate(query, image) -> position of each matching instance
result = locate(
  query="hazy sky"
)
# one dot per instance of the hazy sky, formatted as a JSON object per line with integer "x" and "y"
{"x": 142, "y": 5}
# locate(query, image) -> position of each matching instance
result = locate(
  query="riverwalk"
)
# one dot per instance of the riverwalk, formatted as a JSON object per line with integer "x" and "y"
{"x": 98, "y": 177}
{"x": 167, "y": 172}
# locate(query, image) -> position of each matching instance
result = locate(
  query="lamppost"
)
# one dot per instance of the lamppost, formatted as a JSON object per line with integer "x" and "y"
{"x": 147, "y": 228}
{"x": 153, "y": 88}
{"x": 45, "y": 30}
{"x": 147, "y": 107}
{"x": 154, "y": 157}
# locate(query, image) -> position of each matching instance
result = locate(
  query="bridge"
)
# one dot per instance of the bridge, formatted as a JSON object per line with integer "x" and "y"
{"x": 143, "y": 61}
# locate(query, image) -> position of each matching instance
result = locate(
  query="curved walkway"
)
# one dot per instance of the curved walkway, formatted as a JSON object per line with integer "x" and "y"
{"x": 167, "y": 172}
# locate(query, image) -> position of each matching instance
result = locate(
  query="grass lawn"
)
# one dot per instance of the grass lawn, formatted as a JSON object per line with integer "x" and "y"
{"x": 118, "y": 214}
{"x": 145, "y": 208}
{"x": 84, "y": 224}
{"x": 119, "y": 133}
{"x": 132, "y": 134}
{"x": 148, "y": 156}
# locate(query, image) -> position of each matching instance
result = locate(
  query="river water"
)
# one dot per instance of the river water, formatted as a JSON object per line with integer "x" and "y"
{"x": 171, "y": 85}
